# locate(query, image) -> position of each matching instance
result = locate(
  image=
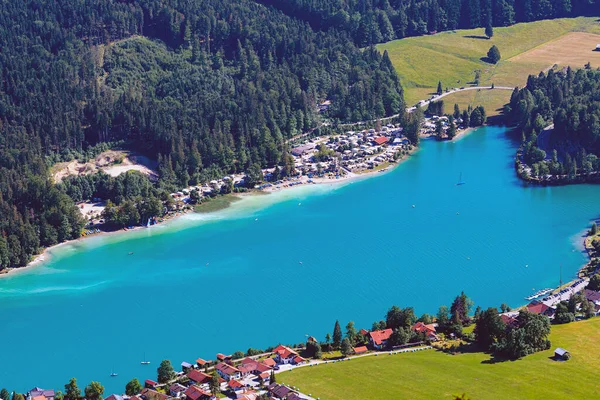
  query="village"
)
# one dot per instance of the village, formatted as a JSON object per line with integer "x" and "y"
{"x": 252, "y": 377}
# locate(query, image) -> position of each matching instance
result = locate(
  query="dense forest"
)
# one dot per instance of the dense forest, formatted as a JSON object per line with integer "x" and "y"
{"x": 569, "y": 100}
{"x": 375, "y": 21}
{"x": 205, "y": 87}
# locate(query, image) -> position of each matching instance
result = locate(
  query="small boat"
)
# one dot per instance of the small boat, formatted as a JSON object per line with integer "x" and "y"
{"x": 145, "y": 362}
{"x": 113, "y": 373}
{"x": 460, "y": 181}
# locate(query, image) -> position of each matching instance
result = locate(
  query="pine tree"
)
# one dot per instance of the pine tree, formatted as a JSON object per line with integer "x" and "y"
{"x": 337, "y": 335}
{"x": 489, "y": 30}
{"x": 439, "y": 88}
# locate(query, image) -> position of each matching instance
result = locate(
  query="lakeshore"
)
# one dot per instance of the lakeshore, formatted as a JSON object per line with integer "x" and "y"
{"x": 372, "y": 235}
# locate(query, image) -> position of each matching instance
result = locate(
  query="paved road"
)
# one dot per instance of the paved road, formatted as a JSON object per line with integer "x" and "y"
{"x": 425, "y": 103}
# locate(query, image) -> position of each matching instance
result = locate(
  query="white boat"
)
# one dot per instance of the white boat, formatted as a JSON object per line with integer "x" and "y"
{"x": 145, "y": 362}
{"x": 539, "y": 294}
{"x": 113, "y": 373}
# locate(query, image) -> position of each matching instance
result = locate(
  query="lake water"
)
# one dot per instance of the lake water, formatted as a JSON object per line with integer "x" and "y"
{"x": 276, "y": 268}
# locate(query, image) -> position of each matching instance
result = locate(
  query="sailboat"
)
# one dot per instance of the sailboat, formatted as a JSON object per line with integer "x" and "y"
{"x": 113, "y": 373}
{"x": 460, "y": 181}
{"x": 145, "y": 362}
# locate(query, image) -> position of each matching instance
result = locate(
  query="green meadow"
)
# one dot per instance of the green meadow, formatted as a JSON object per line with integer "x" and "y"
{"x": 527, "y": 48}
{"x": 431, "y": 374}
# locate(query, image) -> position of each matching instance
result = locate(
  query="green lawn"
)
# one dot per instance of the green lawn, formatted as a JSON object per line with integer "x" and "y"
{"x": 430, "y": 374}
{"x": 216, "y": 203}
{"x": 452, "y": 57}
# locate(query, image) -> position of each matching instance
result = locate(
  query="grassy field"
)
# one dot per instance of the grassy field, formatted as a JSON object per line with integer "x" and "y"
{"x": 453, "y": 57}
{"x": 431, "y": 374}
{"x": 215, "y": 204}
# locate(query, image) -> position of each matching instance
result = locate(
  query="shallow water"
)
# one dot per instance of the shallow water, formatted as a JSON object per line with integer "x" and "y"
{"x": 276, "y": 268}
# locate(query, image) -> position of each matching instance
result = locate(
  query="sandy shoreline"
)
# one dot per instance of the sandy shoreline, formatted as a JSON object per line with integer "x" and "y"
{"x": 46, "y": 254}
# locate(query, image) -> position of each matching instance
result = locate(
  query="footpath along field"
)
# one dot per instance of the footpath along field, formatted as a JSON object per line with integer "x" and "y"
{"x": 432, "y": 374}
{"x": 527, "y": 48}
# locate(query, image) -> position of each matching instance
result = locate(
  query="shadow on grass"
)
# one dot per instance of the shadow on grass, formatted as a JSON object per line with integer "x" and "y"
{"x": 476, "y": 37}
{"x": 487, "y": 60}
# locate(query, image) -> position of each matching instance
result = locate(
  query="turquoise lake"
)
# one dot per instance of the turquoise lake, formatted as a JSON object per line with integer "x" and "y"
{"x": 275, "y": 268}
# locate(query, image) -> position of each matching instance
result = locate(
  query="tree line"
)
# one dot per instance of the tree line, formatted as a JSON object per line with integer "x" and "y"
{"x": 527, "y": 334}
{"x": 206, "y": 88}
{"x": 376, "y": 21}
{"x": 568, "y": 100}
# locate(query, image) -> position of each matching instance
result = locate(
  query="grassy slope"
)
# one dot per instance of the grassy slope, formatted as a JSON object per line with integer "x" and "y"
{"x": 434, "y": 375}
{"x": 452, "y": 57}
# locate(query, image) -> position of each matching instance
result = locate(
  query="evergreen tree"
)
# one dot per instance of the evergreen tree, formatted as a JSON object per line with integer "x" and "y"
{"x": 489, "y": 30}
{"x": 165, "y": 372}
{"x": 72, "y": 391}
{"x": 4, "y": 394}
{"x": 337, "y": 335}
{"x": 346, "y": 347}
{"x": 439, "y": 88}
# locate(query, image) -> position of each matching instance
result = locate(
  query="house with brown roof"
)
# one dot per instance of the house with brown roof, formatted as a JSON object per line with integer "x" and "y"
{"x": 150, "y": 394}
{"x": 360, "y": 349}
{"x": 177, "y": 389}
{"x": 379, "y": 339}
{"x": 228, "y": 372}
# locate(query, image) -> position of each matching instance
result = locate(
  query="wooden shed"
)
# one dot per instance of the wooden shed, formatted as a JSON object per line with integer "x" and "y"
{"x": 561, "y": 354}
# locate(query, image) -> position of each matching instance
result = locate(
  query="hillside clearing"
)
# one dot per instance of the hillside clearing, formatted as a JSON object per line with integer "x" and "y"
{"x": 112, "y": 162}
{"x": 528, "y": 48}
{"x": 435, "y": 375}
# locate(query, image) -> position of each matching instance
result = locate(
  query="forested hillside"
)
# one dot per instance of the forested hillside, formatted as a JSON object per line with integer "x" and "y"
{"x": 569, "y": 100}
{"x": 376, "y": 21}
{"x": 206, "y": 87}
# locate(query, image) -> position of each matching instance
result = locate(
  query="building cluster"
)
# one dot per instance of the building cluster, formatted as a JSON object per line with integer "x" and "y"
{"x": 351, "y": 151}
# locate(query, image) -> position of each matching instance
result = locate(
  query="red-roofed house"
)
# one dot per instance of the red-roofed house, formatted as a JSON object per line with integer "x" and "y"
{"x": 428, "y": 330}
{"x": 269, "y": 362}
{"x": 299, "y": 360}
{"x": 508, "y": 320}
{"x": 236, "y": 386}
{"x": 249, "y": 366}
{"x": 202, "y": 363}
{"x": 284, "y": 355}
{"x": 228, "y": 372}
{"x": 540, "y": 308}
{"x": 379, "y": 339}
{"x": 199, "y": 378}
{"x": 380, "y": 140}
{"x": 223, "y": 357}
{"x": 363, "y": 332}
{"x": 196, "y": 393}
{"x": 265, "y": 376}
{"x": 360, "y": 349}
{"x": 149, "y": 383}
